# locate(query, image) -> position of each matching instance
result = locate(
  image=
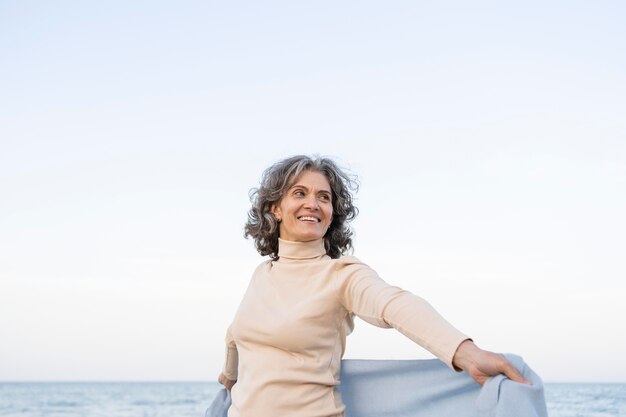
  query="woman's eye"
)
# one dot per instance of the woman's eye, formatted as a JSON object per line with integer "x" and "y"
{"x": 298, "y": 193}
{"x": 325, "y": 197}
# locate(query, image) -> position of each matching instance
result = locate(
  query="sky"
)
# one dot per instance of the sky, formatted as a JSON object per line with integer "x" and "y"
{"x": 489, "y": 139}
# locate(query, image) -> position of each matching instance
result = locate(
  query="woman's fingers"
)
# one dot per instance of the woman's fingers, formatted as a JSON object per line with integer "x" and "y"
{"x": 511, "y": 372}
{"x": 482, "y": 364}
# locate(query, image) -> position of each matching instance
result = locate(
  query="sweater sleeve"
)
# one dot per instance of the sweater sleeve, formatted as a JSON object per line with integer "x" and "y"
{"x": 365, "y": 294}
{"x": 231, "y": 362}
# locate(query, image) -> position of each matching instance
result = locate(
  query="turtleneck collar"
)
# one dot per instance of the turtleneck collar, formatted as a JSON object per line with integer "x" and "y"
{"x": 288, "y": 249}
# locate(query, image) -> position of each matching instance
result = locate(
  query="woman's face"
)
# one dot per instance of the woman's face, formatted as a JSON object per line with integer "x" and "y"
{"x": 306, "y": 209}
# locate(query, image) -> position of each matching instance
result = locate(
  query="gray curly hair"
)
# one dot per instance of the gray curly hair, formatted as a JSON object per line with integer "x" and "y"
{"x": 262, "y": 226}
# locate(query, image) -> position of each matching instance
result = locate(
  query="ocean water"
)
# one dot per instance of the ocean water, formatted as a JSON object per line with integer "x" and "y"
{"x": 105, "y": 399}
{"x": 190, "y": 399}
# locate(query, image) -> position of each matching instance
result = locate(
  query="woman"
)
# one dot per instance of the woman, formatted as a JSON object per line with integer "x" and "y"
{"x": 285, "y": 344}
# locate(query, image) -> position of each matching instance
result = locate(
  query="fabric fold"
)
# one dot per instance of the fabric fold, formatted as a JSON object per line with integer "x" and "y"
{"x": 219, "y": 406}
{"x": 426, "y": 388}
{"x": 500, "y": 396}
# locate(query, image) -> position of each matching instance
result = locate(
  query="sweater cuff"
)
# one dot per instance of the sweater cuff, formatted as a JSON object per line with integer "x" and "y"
{"x": 231, "y": 364}
{"x": 448, "y": 357}
{"x": 452, "y": 365}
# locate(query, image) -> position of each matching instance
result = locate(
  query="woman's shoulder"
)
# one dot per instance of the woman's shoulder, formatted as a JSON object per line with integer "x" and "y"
{"x": 350, "y": 265}
{"x": 263, "y": 266}
{"x": 349, "y": 260}
{"x": 261, "y": 269}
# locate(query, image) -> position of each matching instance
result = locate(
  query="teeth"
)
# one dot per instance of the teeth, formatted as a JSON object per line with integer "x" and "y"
{"x": 307, "y": 218}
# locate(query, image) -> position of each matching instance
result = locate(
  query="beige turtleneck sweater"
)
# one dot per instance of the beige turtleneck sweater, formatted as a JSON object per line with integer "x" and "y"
{"x": 285, "y": 344}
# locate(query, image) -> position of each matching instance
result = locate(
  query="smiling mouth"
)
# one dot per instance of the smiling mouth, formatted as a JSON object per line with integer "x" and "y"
{"x": 309, "y": 219}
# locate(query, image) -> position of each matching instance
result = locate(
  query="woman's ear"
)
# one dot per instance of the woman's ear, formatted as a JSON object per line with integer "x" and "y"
{"x": 276, "y": 212}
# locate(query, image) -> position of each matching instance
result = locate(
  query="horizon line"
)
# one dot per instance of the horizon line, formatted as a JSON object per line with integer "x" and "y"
{"x": 137, "y": 381}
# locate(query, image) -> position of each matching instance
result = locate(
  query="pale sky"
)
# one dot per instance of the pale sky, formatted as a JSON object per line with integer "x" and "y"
{"x": 489, "y": 139}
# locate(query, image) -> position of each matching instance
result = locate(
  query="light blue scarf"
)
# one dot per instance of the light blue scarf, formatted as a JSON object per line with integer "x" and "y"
{"x": 426, "y": 388}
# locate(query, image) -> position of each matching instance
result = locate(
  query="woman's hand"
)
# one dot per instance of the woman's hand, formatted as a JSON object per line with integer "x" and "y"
{"x": 481, "y": 364}
{"x": 226, "y": 382}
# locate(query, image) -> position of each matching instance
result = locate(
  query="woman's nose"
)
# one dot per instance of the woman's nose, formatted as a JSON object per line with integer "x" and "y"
{"x": 311, "y": 202}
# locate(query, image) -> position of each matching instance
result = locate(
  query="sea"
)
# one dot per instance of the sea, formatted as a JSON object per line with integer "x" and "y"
{"x": 190, "y": 399}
